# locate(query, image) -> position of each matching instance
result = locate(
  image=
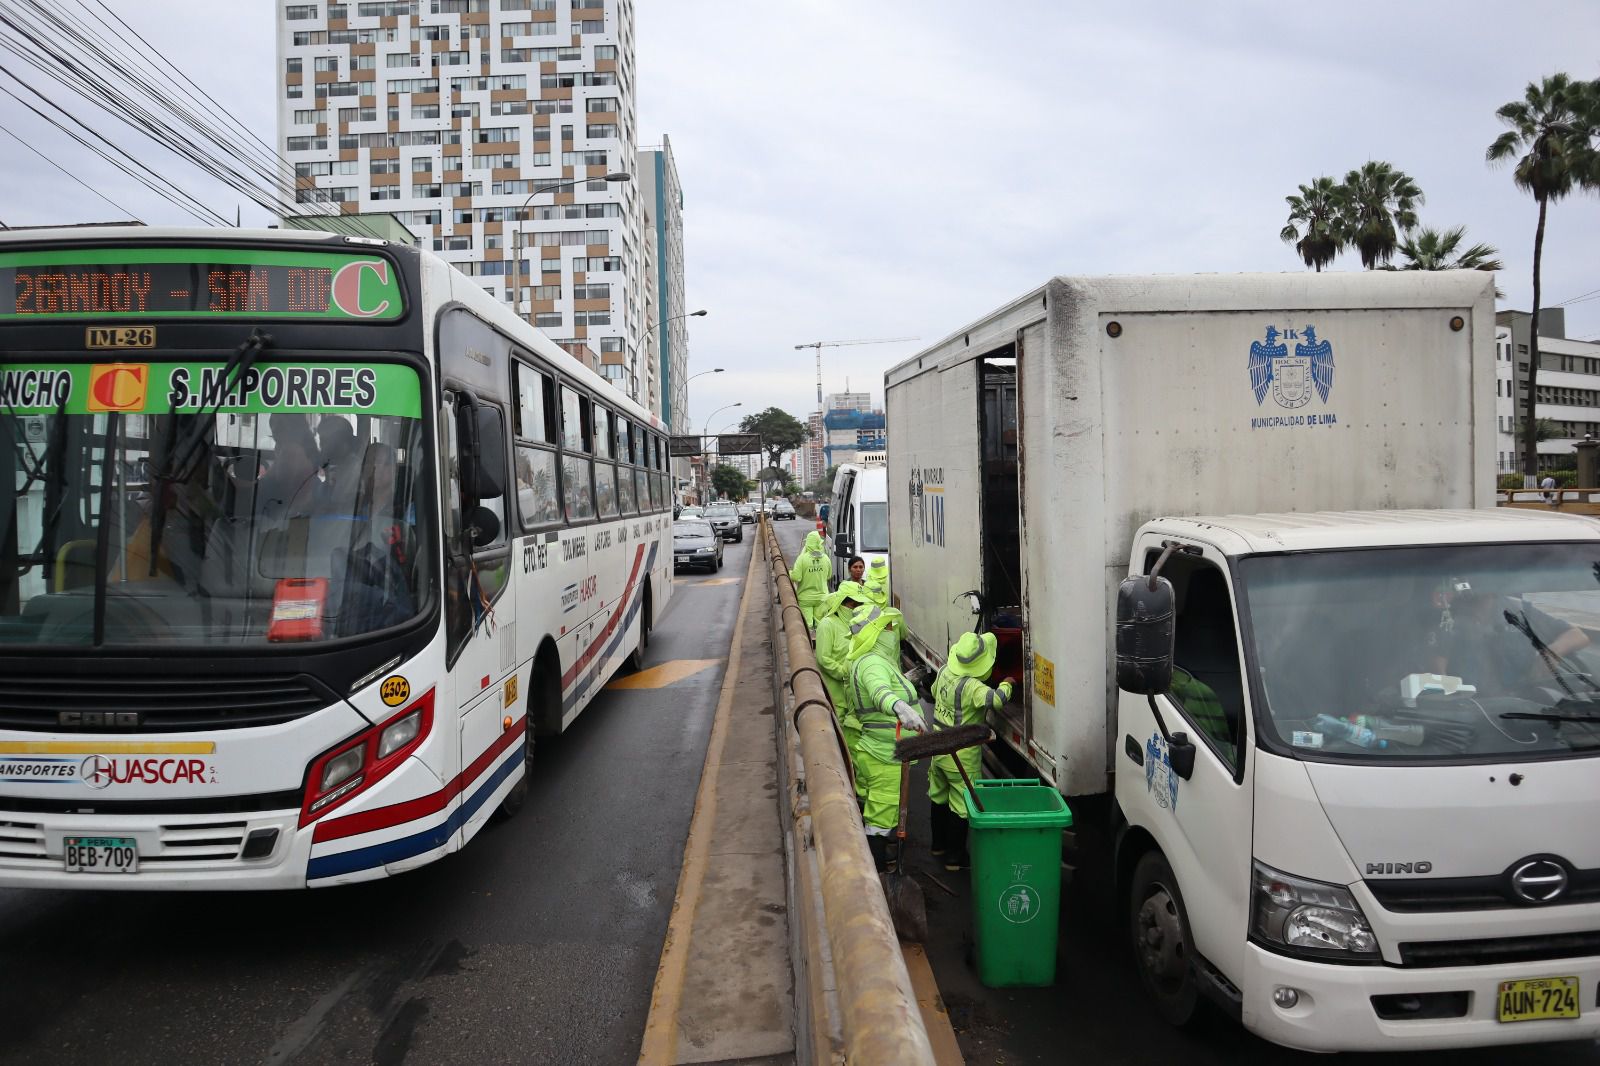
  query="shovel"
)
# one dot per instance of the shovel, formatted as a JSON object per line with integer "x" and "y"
{"x": 906, "y": 905}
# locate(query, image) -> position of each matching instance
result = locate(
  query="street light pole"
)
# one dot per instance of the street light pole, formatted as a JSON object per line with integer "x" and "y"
{"x": 705, "y": 462}
{"x": 516, "y": 234}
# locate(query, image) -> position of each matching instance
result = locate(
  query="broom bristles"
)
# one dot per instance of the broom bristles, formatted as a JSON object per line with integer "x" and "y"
{"x": 941, "y": 742}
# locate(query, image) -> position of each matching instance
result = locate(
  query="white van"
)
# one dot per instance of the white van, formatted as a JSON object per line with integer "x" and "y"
{"x": 858, "y": 517}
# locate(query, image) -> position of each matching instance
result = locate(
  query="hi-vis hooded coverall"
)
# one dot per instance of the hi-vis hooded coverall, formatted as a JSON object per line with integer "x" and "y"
{"x": 810, "y": 576}
{"x": 833, "y": 657}
{"x": 883, "y": 697}
{"x": 960, "y": 697}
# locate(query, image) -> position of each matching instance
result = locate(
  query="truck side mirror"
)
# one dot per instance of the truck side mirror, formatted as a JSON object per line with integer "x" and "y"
{"x": 489, "y": 456}
{"x": 1145, "y": 631}
{"x": 842, "y": 545}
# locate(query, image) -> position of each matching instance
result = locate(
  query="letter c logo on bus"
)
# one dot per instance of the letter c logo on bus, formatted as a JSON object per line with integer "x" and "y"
{"x": 118, "y": 386}
{"x": 347, "y": 287}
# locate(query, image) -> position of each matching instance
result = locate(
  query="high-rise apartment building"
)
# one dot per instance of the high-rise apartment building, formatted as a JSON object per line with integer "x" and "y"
{"x": 667, "y": 350}
{"x": 469, "y": 120}
{"x": 851, "y": 427}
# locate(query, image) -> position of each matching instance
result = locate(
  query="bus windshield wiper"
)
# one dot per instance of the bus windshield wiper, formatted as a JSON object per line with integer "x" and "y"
{"x": 238, "y": 365}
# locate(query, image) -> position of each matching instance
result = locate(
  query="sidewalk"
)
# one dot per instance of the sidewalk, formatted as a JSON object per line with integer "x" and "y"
{"x": 724, "y": 992}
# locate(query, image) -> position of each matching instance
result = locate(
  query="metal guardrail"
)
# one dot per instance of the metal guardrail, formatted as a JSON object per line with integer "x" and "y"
{"x": 853, "y": 997}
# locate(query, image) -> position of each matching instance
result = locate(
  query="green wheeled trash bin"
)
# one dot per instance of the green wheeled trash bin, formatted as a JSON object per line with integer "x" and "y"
{"x": 1016, "y": 880}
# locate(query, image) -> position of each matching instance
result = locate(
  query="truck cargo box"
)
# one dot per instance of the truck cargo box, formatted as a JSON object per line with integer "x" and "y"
{"x": 1026, "y": 449}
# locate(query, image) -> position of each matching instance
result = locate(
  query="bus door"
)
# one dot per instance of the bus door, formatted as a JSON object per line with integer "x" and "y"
{"x": 480, "y": 621}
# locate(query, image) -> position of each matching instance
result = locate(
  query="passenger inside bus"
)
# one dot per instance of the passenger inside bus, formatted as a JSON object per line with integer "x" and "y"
{"x": 377, "y": 591}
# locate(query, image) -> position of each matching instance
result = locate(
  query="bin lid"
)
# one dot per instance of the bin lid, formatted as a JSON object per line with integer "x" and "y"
{"x": 1018, "y": 803}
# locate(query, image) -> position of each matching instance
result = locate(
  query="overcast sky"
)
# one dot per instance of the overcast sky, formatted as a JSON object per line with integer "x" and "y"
{"x": 897, "y": 169}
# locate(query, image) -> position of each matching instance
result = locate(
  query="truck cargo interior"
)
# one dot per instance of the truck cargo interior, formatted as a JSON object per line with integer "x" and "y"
{"x": 1001, "y": 534}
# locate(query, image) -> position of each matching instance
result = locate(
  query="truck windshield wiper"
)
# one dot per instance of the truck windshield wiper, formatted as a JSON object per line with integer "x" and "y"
{"x": 1567, "y": 709}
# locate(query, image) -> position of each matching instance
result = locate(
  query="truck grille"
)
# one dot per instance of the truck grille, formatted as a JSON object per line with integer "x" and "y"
{"x": 1433, "y": 953}
{"x": 1472, "y": 893}
{"x": 34, "y": 701}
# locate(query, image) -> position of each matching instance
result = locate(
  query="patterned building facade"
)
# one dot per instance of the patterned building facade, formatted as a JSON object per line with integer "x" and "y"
{"x": 486, "y": 127}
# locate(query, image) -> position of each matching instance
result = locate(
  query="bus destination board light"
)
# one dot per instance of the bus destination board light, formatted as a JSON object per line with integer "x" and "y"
{"x": 198, "y": 283}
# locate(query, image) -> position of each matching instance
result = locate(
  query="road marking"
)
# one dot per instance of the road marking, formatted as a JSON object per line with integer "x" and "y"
{"x": 660, "y": 1044}
{"x": 710, "y": 582}
{"x": 935, "y": 1018}
{"x": 668, "y": 673}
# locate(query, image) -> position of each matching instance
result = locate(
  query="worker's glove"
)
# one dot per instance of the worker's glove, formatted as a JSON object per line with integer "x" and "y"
{"x": 910, "y": 717}
{"x": 1006, "y": 688}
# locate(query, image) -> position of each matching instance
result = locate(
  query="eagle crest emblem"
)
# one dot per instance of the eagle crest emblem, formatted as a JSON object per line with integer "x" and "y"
{"x": 1291, "y": 377}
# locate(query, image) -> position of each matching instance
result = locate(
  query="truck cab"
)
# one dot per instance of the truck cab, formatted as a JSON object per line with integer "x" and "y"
{"x": 858, "y": 515}
{"x": 1353, "y": 816}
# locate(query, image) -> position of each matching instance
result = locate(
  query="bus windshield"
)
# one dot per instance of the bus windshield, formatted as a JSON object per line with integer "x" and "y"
{"x": 146, "y": 510}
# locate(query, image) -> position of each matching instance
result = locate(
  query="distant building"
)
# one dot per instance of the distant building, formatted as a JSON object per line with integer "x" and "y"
{"x": 851, "y": 426}
{"x": 1569, "y": 388}
{"x": 812, "y": 451}
{"x": 667, "y": 329}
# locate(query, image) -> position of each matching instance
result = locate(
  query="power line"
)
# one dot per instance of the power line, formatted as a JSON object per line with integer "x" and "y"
{"x": 71, "y": 175}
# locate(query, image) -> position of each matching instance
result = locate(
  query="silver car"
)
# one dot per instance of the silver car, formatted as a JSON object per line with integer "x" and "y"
{"x": 724, "y": 518}
{"x": 695, "y": 543}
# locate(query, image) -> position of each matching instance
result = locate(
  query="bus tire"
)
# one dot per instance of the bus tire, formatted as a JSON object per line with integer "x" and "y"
{"x": 1163, "y": 949}
{"x": 635, "y": 660}
{"x": 517, "y": 798}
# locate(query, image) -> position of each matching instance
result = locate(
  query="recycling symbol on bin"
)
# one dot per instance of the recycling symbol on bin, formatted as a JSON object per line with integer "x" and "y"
{"x": 1019, "y": 904}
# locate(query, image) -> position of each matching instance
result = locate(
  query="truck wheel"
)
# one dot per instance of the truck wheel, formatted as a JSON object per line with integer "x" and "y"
{"x": 1162, "y": 948}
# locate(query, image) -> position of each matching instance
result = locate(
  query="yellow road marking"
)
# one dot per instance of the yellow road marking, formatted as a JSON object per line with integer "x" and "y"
{"x": 106, "y": 747}
{"x": 709, "y": 582}
{"x": 669, "y": 673}
{"x": 935, "y": 1018}
{"x": 660, "y": 1044}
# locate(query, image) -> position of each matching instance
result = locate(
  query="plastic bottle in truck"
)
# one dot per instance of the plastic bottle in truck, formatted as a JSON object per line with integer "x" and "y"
{"x": 1343, "y": 735}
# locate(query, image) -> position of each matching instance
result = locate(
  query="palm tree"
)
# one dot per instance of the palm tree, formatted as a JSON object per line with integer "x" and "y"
{"x": 1551, "y": 139}
{"x": 1319, "y": 211}
{"x": 1431, "y": 249}
{"x": 1379, "y": 201}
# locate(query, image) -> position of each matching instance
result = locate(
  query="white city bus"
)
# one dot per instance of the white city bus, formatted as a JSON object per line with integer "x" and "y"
{"x": 309, "y": 539}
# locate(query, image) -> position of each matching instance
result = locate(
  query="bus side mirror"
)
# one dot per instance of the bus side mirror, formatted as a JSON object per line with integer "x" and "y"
{"x": 489, "y": 457}
{"x": 842, "y": 545}
{"x": 1145, "y": 631}
{"x": 483, "y": 526}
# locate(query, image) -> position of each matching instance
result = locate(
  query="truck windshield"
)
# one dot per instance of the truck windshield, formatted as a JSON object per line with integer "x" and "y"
{"x": 874, "y": 528}
{"x": 1436, "y": 654}
{"x": 293, "y": 510}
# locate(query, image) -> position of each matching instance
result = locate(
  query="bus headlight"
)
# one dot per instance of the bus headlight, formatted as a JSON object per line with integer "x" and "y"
{"x": 356, "y": 764}
{"x": 399, "y": 734}
{"x": 1297, "y": 916}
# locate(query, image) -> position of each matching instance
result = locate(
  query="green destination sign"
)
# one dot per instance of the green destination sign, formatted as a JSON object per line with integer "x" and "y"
{"x": 164, "y": 388}
{"x": 197, "y": 283}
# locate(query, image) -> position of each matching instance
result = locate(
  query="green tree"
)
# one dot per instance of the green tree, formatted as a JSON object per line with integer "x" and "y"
{"x": 780, "y": 432}
{"x": 1547, "y": 429}
{"x": 1316, "y": 222}
{"x": 1551, "y": 139}
{"x": 1379, "y": 204}
{"x": 778, "y": 476}
{"x": 728, "y": 481}
{"x": 1431, "y": 249}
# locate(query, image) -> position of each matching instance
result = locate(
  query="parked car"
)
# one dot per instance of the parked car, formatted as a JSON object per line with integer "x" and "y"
{"x": 724, "y": 518}
{"x": 782, "y": 509}
{"x": 695, "y": 543}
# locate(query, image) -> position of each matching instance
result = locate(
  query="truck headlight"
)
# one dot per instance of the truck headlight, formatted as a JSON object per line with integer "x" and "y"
{"x": 1297, "y": 916}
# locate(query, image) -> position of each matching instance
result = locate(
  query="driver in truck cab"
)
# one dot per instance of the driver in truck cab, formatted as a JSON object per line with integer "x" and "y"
{"x": 1494, "y": 643}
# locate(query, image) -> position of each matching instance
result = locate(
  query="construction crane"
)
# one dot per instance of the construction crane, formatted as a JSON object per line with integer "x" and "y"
{"x": 819, "y": 345}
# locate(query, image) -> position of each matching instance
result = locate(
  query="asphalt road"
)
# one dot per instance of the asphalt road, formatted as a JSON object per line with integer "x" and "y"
{"x": 1096, "y": 1012}
{"x": 537, "y": 943}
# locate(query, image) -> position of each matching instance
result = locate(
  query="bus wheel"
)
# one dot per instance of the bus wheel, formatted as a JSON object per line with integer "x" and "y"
{"x": 635, "y": 660}
{"x": 1162, "y": 947}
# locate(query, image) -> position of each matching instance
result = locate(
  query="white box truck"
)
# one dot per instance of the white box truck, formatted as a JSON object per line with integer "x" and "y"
{"x": 1349, "y": 752}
